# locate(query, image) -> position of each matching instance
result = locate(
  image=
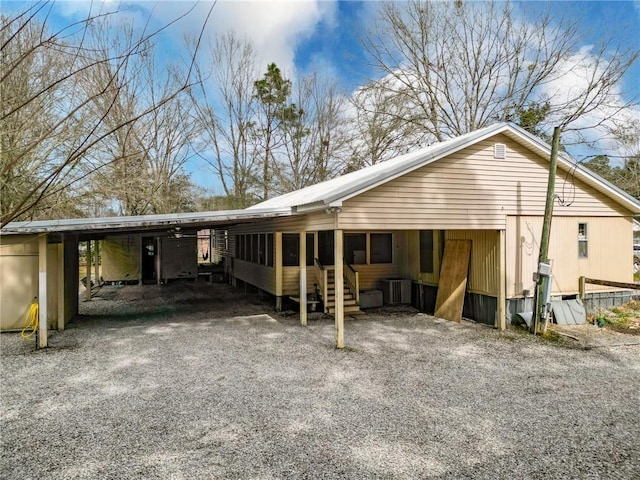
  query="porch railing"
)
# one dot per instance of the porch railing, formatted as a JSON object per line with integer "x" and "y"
{"x": 353, "y": 282}
{"x": 322, "y": 278}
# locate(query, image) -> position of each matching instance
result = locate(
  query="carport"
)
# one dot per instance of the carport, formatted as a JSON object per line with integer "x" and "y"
{"x": 39, "y": 259}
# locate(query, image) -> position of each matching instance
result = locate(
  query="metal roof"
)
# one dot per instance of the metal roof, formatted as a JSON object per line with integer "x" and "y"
{"x": 326, "y": 194}
{"x": 143, "y": 222}
{"x": 333, "y": 192}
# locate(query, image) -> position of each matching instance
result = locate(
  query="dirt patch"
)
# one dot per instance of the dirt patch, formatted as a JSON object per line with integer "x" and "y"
{"x": 217, "y": 300}
{"x": 592, "y": 336}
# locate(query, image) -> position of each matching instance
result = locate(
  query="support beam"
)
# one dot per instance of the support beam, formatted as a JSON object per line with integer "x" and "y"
{"x": 339, "y": 287}
{"x": 61, "y": 279}
{"x": 277, "y": 263}
{"x": 96, "y": 262}
{"x": 42, "y": 292}
{"x": 501, "y": 313}
{"x": 303, "y": 278}
{"x": 87, "y": 293}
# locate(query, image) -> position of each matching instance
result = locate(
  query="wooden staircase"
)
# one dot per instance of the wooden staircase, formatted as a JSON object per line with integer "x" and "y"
{"x": 351, "y": 306}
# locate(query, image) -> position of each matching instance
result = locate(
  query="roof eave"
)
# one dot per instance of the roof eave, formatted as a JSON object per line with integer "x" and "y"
{"x": 145, "y": 222}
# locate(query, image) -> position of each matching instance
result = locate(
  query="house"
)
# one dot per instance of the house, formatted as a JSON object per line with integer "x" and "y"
{"x": 391, "y": 224}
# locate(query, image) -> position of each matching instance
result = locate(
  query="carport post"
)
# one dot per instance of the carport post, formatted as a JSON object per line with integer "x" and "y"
{"x": 277, "y": 263}
{"x": 96, "y": 262}
{"x": 303, "y": 278}
{"x": 501, "y": 312}
{"x": 87, "y": 293}
{"x": 60, "y": 292}
{"x": 42, "y": 292}
{"x": 339, "y": 288}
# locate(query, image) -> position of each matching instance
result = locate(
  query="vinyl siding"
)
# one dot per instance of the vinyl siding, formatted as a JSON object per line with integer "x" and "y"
{"x": 19, "y": 279}
{"x": 260, "y": 276}
{"x": 610, "y": 252}
{"x": 471, "y": 190}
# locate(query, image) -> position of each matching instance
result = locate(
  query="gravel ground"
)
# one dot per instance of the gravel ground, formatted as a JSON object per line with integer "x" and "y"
{"x": 219, "y": 386}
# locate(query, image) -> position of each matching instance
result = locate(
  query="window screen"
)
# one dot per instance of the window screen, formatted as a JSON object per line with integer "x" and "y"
{"x": 290, "y": 249}
{"x": 381, "y": 248}
{"x": 355, "y": 248}
{"x": 426, "y": 251}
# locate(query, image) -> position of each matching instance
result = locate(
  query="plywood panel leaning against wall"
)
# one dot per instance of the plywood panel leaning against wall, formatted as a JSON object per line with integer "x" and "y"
{"x": 453, "y": 279}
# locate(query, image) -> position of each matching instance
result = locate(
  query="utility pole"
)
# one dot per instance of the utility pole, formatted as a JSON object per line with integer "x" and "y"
{"x": 543, "y": 280}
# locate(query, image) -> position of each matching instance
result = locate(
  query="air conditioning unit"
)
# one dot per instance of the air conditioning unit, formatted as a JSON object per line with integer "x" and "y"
{"x": 396, "y": 290}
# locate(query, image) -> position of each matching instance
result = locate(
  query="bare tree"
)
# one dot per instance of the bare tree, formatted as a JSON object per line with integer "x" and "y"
{"x": 51, "y": 151}
{"x": 382, "y": 126}
{"x": 224, "y": 105}
{"x": 313, "y": 134}
{"x": 459, "y": 66}
{"x": 150, "y": 154}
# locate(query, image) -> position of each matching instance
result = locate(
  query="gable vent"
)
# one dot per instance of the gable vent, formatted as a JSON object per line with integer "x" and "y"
{"x": 499, "y": 151}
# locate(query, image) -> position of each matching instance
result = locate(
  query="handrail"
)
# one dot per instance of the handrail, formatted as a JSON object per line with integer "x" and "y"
{"x": 353, "y": 281}
{"x": 322, "y": 277}
{"x": 610, "y": 283}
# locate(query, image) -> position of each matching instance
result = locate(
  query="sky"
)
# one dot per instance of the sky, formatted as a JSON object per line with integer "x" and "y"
{"x": 323, "y": 35}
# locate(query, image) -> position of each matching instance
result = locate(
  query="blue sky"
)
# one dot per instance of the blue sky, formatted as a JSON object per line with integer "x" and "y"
{"x": 302, "y": 35}
{"x": 323, "y": 35}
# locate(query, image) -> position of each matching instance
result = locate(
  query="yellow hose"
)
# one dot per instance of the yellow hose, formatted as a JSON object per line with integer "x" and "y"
{"x": 31, "y": 321}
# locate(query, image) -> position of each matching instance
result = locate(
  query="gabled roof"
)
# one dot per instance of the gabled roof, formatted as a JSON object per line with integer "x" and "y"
{"x": 333, "y": 192}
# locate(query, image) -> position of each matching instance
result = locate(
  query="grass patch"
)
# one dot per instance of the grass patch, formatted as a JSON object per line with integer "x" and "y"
{"x": 552, "y": 336}
{"x": 624, "y": 318}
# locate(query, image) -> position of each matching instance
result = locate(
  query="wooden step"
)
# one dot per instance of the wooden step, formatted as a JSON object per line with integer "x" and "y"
{"x": 349, "y": 302}
{"x": 348, "y": 310}
{"x": 347, "y": 296}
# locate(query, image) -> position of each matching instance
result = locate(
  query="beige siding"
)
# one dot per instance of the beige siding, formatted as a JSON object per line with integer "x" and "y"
{"x": 610, "y": 256}
{"x": 260, "y": 276}
{"x": 19, "y": 280}
{"x": 291, "y": 281}
{"x": 471, "y": 190}
{"x": 369, "y": 275}
{"x": 18, "y": 286}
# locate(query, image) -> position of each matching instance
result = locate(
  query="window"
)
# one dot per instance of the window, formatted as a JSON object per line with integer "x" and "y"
{"x": 583, "y": 247}
{"x": 426, "y": 251}
{"x": 262, "y": 247}
{"x": 255, "y": 257}
{"x": 269, "y": 248}
{"x": 290, "y": 249}
{"x": 240, "y": 247}
{"x": 381, "y": 248}
{"x": 355, "y": 248}
{"x": 310, "y": 249}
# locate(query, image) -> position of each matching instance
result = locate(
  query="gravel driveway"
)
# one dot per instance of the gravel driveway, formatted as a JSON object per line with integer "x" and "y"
{"x": 194, "y": 389}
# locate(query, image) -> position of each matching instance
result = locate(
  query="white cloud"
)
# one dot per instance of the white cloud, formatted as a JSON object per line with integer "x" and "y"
{"x": 570, "y": 87}
{"x": 274, "y": 26}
